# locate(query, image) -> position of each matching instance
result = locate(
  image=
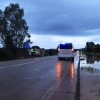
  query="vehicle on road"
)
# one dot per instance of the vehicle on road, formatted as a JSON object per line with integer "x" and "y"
{"x": 65, "y": 51}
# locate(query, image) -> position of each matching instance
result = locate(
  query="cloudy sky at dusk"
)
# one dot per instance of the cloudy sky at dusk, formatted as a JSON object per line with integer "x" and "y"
{"x": 58, "y": 21}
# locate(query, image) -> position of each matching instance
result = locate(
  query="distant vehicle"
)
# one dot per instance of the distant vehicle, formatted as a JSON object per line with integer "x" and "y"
{"x": 66, "y": 51}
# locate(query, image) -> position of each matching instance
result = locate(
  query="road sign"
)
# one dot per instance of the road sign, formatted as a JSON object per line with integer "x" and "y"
{"x": 27, "y": 45}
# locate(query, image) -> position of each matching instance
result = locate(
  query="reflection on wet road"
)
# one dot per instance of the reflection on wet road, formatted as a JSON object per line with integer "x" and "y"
{"x": 66, "y": 88}
{"x": 59, "y": 69}
{"x": 72, "y": 70}
{"x": 62, "y": 69}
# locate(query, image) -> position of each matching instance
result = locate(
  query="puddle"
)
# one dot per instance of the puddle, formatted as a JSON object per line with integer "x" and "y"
{"x": 91, "y": 65}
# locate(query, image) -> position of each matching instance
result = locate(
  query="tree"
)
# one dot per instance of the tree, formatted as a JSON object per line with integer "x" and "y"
{"x": 97, "y": 47}
{"x": 90, "y": 46}
{"x": 13, "y": 28}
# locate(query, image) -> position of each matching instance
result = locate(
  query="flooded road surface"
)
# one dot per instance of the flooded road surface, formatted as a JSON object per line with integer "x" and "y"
{"x": 90, "y": 78}
{"x": 43, "y": 78}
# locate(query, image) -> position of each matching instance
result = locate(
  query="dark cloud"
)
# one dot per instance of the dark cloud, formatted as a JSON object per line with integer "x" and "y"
{"x": 61, "y": 17}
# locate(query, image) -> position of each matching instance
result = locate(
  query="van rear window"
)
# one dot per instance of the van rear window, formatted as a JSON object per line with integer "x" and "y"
{"x": 65, "y": 46}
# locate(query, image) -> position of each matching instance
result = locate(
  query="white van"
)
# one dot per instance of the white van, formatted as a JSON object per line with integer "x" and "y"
{"x": 65, "y": 51}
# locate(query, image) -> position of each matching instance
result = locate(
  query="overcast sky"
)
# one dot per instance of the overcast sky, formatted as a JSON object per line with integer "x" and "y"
{"x": 58, "y": 21}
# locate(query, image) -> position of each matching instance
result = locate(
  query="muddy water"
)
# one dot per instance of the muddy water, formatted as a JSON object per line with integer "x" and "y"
{"x": 90, "y": 78}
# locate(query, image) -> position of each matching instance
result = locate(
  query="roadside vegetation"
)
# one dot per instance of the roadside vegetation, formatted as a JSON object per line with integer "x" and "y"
{"x": 92, "y": 49}
{"x": 13, "y": 31}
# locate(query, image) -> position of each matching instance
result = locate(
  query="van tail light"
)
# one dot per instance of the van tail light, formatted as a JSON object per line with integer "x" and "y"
{"x": 73, "y": 50}
{"x": 58, "y": 49}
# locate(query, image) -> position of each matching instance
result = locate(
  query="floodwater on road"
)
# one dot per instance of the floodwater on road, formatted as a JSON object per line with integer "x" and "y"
{"x": 90, "y": 78}
{"x": 91, "y": 65}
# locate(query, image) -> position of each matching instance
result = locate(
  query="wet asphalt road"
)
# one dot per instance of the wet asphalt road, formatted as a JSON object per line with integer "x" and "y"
{"x": 43, "y": 78}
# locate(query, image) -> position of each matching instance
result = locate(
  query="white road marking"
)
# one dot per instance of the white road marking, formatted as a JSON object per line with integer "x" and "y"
{"x": 51, "y": 90}
{"x": 36, "y": 60}
{"x": 15, "y": 65}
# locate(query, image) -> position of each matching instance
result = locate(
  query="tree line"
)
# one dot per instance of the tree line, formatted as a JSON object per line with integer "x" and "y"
{"x": 92, "y": 47}
{"x": 13, "y": 28}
